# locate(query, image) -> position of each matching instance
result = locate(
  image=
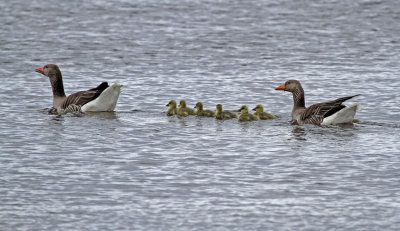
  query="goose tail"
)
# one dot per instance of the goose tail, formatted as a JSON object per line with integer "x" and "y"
{"x": 106, "y": 101}
{"x": 346, "y": 115}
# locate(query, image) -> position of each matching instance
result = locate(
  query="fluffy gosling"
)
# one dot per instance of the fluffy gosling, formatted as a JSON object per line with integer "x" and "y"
{"x": 245, "y": 116}
{"x": 183, "y": 110}
{"x": 201, "y": 112}
{"x": 261, "y": 114}
{"x": 172, "y": 110}
{"x": 220, "y": 114}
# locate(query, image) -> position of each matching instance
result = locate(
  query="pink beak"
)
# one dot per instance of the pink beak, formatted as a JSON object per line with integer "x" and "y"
{"x": 40, "y": 70}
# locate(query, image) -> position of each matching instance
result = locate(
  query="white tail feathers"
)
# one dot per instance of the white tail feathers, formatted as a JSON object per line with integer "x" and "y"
{"x": 106, "y": 101}
{"x": 346, "y": 115}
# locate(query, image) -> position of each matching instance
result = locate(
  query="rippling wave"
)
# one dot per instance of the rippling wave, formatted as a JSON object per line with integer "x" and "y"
{"x": 136, "y": 168}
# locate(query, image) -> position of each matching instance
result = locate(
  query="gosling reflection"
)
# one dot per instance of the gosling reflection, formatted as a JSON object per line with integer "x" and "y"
{"x": 109, "y": 115}
{"x": 299, "y": 133}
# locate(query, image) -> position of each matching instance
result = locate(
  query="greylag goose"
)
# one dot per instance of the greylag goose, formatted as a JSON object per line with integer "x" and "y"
{"x": 261, "y": 114}
{"x": 100, "y": 98}
{"x": 172, "y": 110}
{"x": 201, "y": 112}
{"x": 183, "y": 110}
{"x": 245, "y": 116}
{"x": 331, "y": 112}
{"x": 220, "y": 114}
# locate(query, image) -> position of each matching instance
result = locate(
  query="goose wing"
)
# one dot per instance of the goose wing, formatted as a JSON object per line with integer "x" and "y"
{"x": 82, "y": 97}
{"x": 317, "y": 112}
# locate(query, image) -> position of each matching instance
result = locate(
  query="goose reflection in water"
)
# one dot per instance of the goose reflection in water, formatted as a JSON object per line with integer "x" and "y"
{"x": 109, "y": 115}
{"x": 299, "y": 133}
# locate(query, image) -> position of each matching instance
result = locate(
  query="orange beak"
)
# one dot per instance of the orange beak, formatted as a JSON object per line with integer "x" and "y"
{"x": 39, "y": 70}
{"x": 281, "y": 87}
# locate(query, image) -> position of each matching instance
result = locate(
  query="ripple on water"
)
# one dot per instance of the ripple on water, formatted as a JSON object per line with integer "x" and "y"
{"x": 140, "y": 169}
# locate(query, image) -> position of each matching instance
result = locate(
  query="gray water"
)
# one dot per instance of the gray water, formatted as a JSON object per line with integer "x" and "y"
{"x": 137, "y": 169}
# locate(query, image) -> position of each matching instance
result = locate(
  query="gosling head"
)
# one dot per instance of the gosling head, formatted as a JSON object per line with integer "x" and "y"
{"x": 259, "y": 108}
{"x": 171, "y": 104}
{"x": 244, "y": 109}
{"x": 182, "y": 104}
{"x": 219, "y": 108}
{"x": 199, "y": 106}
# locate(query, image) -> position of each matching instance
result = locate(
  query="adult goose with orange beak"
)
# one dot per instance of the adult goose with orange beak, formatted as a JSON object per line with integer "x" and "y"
{"x": 100, "y": 98}
{"x": 327, "y": 113}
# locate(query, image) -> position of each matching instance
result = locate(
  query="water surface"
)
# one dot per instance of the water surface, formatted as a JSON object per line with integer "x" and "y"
{"x": 137, "y": 169}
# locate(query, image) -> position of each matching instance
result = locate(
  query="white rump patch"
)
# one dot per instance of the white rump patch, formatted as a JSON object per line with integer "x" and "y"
{"x": 106, "y": 101}
{"x": 346, "y": 115}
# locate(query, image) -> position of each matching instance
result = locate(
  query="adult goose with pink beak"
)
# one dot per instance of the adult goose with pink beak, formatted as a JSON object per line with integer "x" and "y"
{"x": 331, "y": 112}
{"x": 100, "y": 98}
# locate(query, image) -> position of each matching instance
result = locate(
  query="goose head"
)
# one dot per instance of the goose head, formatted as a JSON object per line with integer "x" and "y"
{"x": 49, "y": 70}
{"x": 53, "y": 72}
{"x": 290, "y": 85}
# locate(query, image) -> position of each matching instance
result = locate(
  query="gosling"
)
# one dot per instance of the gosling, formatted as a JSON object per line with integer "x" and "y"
{"x": 172, "y": 110}
{"x": 245, "y": 116}
{"x": 201, "y": 112}
{"x": 261, "y": 114}
{"x": 183, "y": 110}
{"x": 220, "y": 114}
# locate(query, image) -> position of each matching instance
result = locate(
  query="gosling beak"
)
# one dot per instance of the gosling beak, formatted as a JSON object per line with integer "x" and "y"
{"x": 40, "y": 70}
{"x": 167, "y": 105}
{"x": 254, "y": 109}
{"x": 281, "y": 87}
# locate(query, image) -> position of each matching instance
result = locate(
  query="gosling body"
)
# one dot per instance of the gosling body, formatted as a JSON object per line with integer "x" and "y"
{"x": 183, "y": 110}
{"x": 220, "y": 114}
{"x": 261, "y": 114}
{"x": 245, "y": 115}
{"x": 201, "y": 112}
